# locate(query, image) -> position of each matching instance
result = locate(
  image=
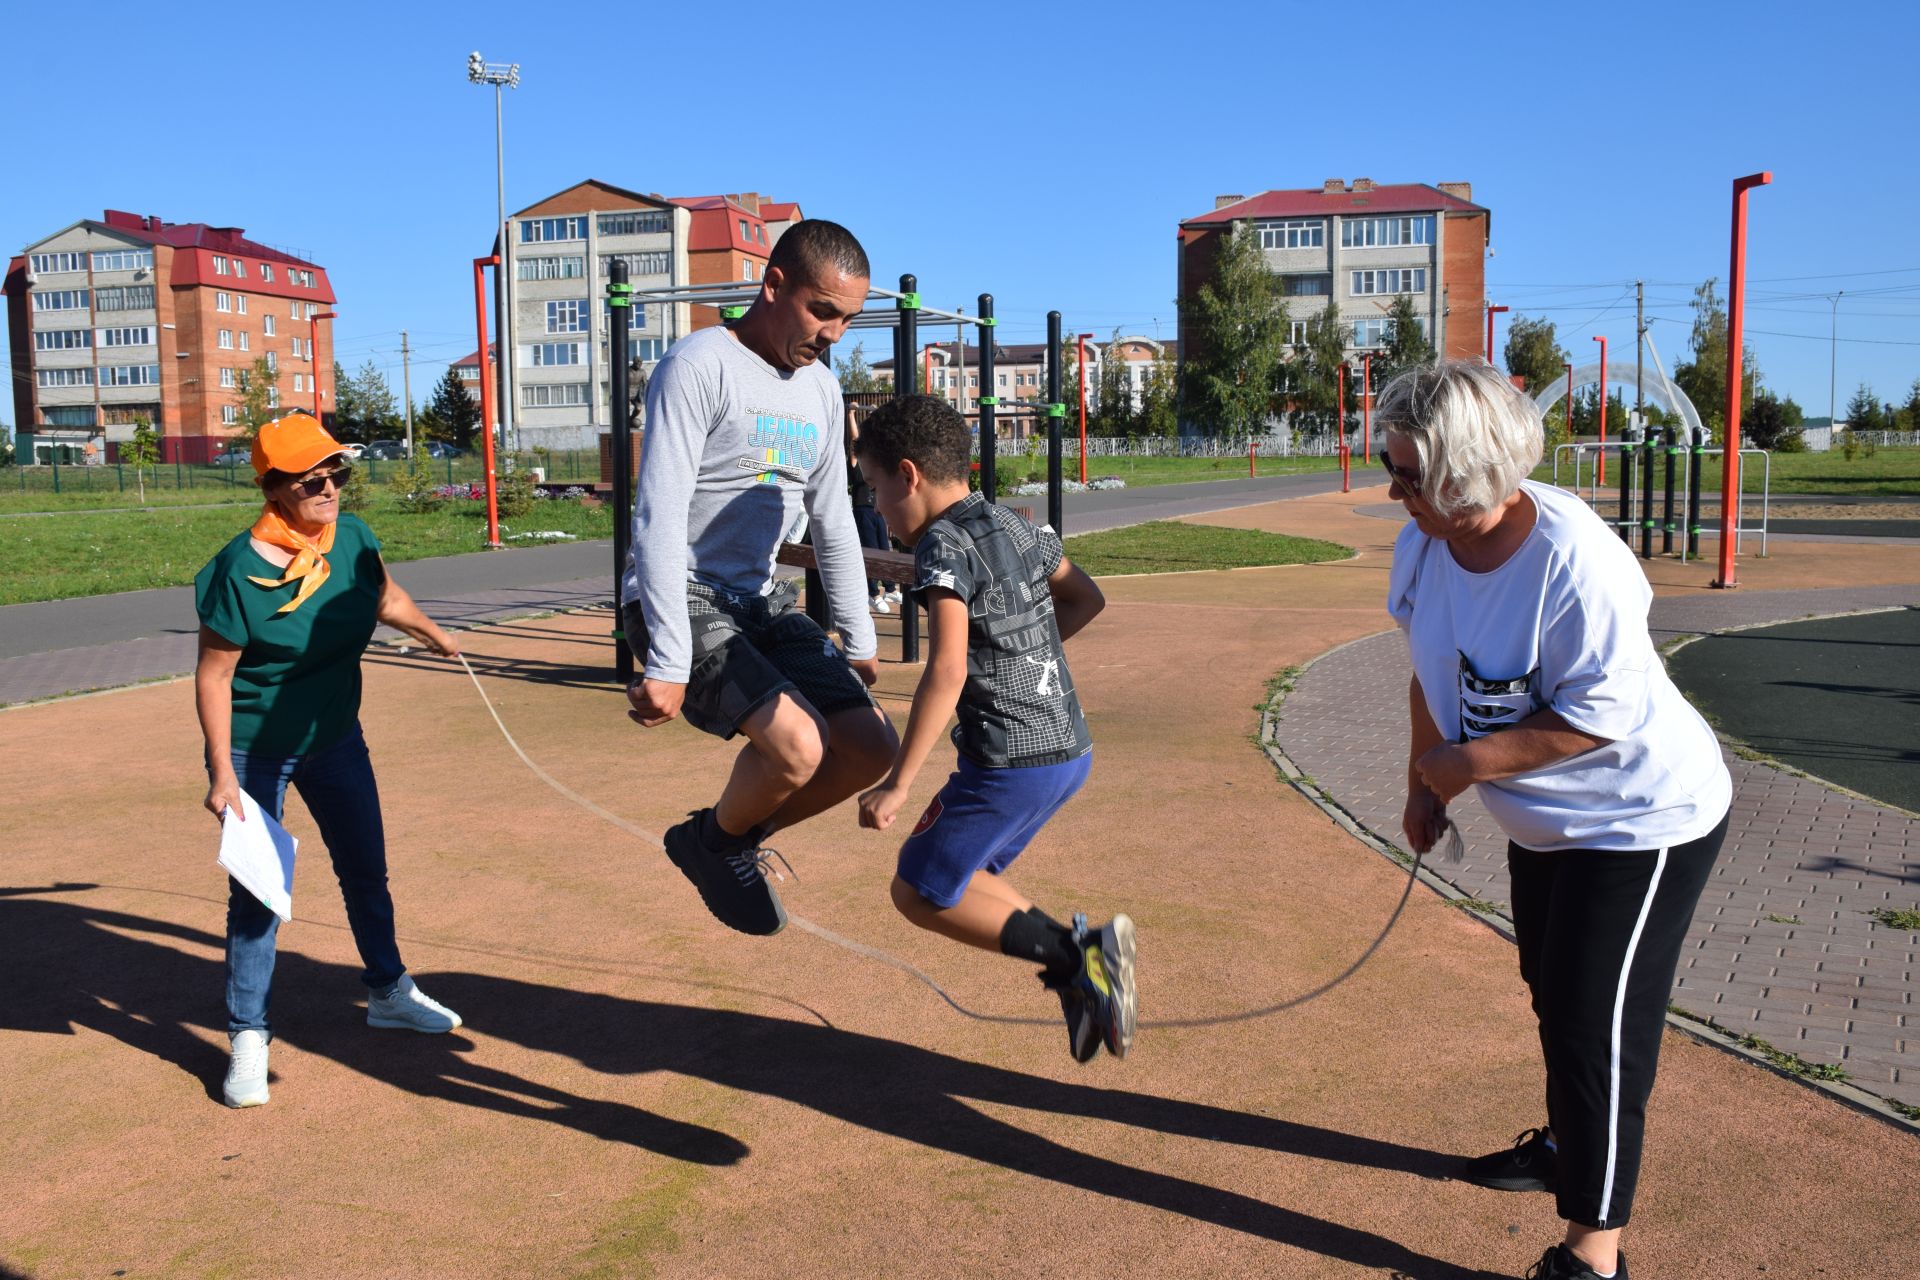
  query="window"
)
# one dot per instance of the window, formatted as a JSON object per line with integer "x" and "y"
{"x": 62, "y": 339}
{"x": 61, "y": 300}
{"x": 1003, "y": 379}
{"x": 132, "y": 297}
{"x": 130, "y": 375}
{"x": 226, "y": 377}
{"x": 973, "y": 379}
{"x": 1377, "y": 331}
{"x": 226, "y": 339}
{"x": 542, "y": 354}
{"x": 229, "y": 414}
{"x": 568, "y": 316}
{"x": 940, "y": 379}
{"x": 137, "y": 336}
{"x": 49, "y": 263}
{"x": 1294, "y": 233}
{"x": 273, "y": 361}
{"x": 1369, "y": 233}
{"x": 240, "y": 303}
{"x": 273, "y": 397}
{"x": 1390, "y": 280}
{"x": 553, "y": 395}
{"x": 637, "y": 222}
{"x": 552, "y": 268}
{"x": 746, "y": 231}
{"x": 266, "y": 272}
{"x": 124, "y": 260}
{"x": 636, "y": 317}
{"x": 540, "y": 230}
{"x": 299, "y": 382}
{"x": 64, "y": 377}
{"x": 68, "y": 416}
{"x": 222, "y": 302}
{"x": 760, "y": 232}
{"x": 220, "y": 266}
{"x": 1306, "y": 286}
{"x": 268, "y": 321}
{"x": 638, "y": 264}
{"x": 648, "y": 348}
{"x": 239, "y": 269}
{"x": 246, "y": 340}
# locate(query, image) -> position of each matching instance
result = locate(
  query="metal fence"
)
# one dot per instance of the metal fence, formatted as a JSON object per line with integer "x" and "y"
{"x": 577, "y": 466}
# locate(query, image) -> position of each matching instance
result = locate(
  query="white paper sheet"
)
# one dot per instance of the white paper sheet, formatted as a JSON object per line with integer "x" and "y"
{"x": 259, "y": 854}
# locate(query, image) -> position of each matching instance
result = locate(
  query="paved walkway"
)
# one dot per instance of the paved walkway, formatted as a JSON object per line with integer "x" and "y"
{"x": 1782, "y": 947}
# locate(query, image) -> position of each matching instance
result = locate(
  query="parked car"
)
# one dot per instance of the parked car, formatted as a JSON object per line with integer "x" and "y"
{"x": 354, "y": 449}
{"x": 386, "y": 450}
{"x": 234, "y": 458}
{"x": 441, "y": 449}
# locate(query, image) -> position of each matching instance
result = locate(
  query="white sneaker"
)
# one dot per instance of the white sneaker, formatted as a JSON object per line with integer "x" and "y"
{"x": 880, "y": 605}
{"x": 246, "y": 1084}
{"x": 409, "y": 1008}
{"x": 893, "y": 596}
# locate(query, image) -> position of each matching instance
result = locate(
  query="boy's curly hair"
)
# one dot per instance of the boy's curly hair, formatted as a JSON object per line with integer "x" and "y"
{"x": 924, "y": 428}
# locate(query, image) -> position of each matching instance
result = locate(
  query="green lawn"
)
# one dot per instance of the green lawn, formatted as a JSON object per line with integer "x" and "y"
{"x": 1887, "y": 473}
{"x": 57, "y": 557}
{"x": 1140, "y": 472}
{"x": 1169, "y": 546}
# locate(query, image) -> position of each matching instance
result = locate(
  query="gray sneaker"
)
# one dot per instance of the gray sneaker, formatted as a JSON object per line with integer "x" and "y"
{"x": 410, "y": 1009}
{"x": 246, "y": 1084}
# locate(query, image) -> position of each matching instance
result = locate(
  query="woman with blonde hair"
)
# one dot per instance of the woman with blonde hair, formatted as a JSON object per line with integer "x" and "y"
{"x": 286, "y": 609}
{"x": 1535, "y": 682}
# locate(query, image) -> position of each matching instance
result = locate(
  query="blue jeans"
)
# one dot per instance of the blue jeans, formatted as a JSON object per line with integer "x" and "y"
{"x": 337, "y": 784}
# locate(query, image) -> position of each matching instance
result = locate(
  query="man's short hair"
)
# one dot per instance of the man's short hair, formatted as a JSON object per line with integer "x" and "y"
{"x": 809, "y": 252}
{"x": 925, "y": 429}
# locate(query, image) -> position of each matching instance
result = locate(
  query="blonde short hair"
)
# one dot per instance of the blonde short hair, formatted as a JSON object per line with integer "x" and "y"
{"x": 1477, "y": 435}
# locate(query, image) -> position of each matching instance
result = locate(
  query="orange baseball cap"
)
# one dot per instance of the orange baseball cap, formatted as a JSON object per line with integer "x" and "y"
{"x": 293, "y": 443}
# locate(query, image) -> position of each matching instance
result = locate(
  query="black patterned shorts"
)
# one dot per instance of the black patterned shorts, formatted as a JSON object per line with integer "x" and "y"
{"x": 747, "y": 650}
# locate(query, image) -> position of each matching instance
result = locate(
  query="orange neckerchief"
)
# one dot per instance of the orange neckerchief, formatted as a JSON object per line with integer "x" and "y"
{"x": 309, "y": 567}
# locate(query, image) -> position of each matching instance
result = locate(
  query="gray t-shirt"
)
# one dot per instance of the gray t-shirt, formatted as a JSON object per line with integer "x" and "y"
{"x": 1018, "y": 707}
{"x": 734, "y": 447}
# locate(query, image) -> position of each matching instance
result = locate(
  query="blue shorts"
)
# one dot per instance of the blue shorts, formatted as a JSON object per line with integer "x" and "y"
{"x": 981, "y": 821}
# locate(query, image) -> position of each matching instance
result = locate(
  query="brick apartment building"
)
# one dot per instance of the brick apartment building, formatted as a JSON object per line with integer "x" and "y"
{"x": 1020, "y": 374}
{"x": 1358, "y": 246}
{"x": 559, "y": 254}
{"x": 131, "y": 317}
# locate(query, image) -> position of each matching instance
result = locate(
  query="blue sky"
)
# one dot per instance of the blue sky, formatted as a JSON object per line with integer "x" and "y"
{"x": 1604, "y": 141}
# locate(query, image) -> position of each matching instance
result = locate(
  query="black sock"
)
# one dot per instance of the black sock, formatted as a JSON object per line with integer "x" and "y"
{"x": 1033, "y": 935}
{"x": 715, "y": 836}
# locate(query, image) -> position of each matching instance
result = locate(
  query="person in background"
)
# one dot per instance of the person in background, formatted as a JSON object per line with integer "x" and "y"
{"x": 286, "y": 609}
{"x": 868, "y": 520}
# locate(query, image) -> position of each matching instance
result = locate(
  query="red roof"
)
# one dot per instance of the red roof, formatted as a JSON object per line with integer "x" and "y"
{"x": 781, "y": 211}
{"x": 716, "y": 225}
{"x": 472, "y": 358}
{"x": 1411, "y": 197}
{"x": 200, "y": 242}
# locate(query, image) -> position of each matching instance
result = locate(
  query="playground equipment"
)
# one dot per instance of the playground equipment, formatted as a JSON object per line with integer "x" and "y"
{"x": 1683, "y": 468}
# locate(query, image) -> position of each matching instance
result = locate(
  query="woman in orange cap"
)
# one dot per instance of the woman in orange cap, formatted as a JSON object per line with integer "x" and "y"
{"x": 286, "y": 610}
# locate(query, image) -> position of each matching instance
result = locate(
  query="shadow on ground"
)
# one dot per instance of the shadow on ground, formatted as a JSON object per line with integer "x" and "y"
{"x": 127, "y": 976}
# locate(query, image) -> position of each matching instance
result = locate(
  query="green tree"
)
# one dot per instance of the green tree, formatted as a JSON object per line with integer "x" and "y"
{"x": 378, "y": 411}
{"x": 455, "y": 409}
{"x": 1160, "y": 399}
{"x": 1911, "y": 413}
{"x": 1863, "y": 409}
{"x": 1114, "y": 412}
{"x": 1408, "y": 346}
{"x": 1316, "y": 379}
{"x": 346, "y": 406}
{"x": 855, "y": 374}
{"x": 1704, "y": 376}
{"x": 1534, "y": 353}
{"x": 1766, "y": 425}
{"x": 143, "y": 451}
{"x": 1233, "y": 376}
{"x": 429, "y": 425}
{"x": 258, "y": 386}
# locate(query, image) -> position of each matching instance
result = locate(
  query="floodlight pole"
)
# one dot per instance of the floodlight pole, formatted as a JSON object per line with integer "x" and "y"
{"x": 480, "y": 266}
{"x": 498, "y": 74}
{"x": 1736, "y": 324}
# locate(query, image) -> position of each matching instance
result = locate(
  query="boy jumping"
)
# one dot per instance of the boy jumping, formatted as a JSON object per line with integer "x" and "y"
{"x": 1001, "y": 598}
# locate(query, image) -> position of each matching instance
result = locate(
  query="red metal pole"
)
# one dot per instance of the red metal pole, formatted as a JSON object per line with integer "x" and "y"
{"x": 1600, "y": 468}
{"x": 1491, "y": 312}
{"x": 1083, "y": 407}
{"x": 487, "y": 423}
{"x": 1736, "y": 324}
{"x": 313, "y": 358}
{"x": 1366, "y": 408}
{"x": 1253, "y": 447}
{"x": 1340, "y": 416}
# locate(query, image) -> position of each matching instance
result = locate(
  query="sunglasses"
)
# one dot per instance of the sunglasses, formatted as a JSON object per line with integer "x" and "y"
{"x": 338, "y": 478}
{"x": 1408, "y": 480}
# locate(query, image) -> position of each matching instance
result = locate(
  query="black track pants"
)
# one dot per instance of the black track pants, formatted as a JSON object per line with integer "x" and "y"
{"x": 1600, "y": 934}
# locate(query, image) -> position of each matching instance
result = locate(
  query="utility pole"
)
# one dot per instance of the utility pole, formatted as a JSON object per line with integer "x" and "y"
{"x": 1833, "y": 356}
{"x": 406, "y": 389}
{"x": 1639, "y": 346}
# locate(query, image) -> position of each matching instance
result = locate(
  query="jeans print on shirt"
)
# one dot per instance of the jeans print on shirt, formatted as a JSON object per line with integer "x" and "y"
{"x": 1488, "y": 706}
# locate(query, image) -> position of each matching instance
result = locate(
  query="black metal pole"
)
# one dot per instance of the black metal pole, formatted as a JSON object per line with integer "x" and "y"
{"x": 1626, "y": 490}
{"x": 988, "y": 402}
{"x": 1697, "y": 461}
{"x": 907, "y": 341}
{"x": 1056, "y": 413}
{"x": 1666, "y": 537}
{"x": 621, "y": 445}
{"x": 1649, "y": 442}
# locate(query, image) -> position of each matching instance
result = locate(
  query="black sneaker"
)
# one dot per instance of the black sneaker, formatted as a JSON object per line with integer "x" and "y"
{"x": 1083, "y": 1029}
{"x": 733, "y": 883}
{"x": 1529, "y": 1165}
{"x": 1560, "y": 1263}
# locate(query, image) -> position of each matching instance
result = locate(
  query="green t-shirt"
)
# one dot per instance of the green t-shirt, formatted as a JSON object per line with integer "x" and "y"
{"x": 297, "y": 687}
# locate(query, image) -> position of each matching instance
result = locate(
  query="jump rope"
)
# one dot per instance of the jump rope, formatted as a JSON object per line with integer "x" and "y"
{"x": 1454, "y": 851}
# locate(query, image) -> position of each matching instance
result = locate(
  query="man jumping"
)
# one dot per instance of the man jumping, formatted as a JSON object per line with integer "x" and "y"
{"x": 743, "y": 430}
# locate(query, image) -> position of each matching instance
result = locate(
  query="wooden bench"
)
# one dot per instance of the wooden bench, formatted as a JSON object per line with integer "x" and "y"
{"x": 887, "y": 566}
